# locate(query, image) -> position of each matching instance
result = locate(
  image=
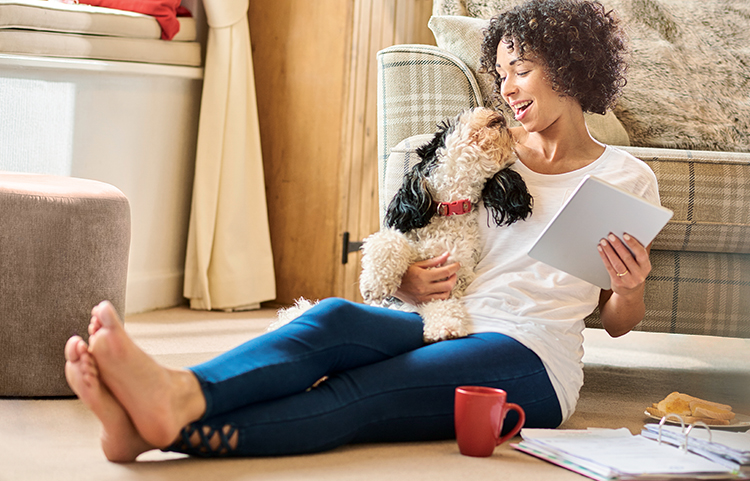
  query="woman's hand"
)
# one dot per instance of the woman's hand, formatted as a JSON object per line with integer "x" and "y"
{"x": 622, "y": 308}
{"x": 428, "y": 280}
{"x": 627, "y": 271}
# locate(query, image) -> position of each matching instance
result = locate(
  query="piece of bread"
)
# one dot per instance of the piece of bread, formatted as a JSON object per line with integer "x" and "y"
{"x": 688, "y": 419}
{"x": 654, "y": 411}
{"x": 723, "y": 407}
{"x": 708, "y": 421}
{"x": 704, "y": 410}
{"x": 676, "y": 403}
{"x": 692, "y": 409}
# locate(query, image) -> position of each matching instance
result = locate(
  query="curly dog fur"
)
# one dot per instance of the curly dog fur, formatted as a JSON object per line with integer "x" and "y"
{"x": 467, "y": 159}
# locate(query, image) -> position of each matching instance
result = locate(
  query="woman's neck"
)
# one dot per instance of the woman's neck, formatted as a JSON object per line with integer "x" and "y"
{"x": 562, "y": 147}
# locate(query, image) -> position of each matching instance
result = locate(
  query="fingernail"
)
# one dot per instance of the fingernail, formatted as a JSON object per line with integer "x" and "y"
{"x": 612, "y": 237}
{"x": 626, "y": 237}
{"x": 603, "y": 243}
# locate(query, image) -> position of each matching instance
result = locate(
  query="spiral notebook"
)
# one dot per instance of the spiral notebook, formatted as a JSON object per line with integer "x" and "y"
{"x": 595, "y": 209}
{"x": 616, "y": 454}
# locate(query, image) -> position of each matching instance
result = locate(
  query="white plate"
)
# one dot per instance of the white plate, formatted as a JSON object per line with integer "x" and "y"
{"x": 739, "y": 421}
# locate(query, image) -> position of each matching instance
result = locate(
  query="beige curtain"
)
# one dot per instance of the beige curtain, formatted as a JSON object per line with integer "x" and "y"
{"x": 229, "y": 264}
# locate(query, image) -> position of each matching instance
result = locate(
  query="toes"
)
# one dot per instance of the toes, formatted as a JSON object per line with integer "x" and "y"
{"x": 94, "y": 325}
{"x": 91, "y": 376}
{"x": 71, "y": 349}
{"x": 82, "y": 348}
{"x": 85, "y": 367}
{"x": 106, "y": 314}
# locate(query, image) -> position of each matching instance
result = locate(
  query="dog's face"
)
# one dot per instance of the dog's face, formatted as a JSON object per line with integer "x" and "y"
{"x": 464, "y": 153}
{"x": 466, "y": 159}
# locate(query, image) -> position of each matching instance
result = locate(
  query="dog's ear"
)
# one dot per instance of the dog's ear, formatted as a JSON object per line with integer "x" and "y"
{"x": 411, "y": 207}
{"x": 506, "y": 197}
{"x": 428, "y": 151}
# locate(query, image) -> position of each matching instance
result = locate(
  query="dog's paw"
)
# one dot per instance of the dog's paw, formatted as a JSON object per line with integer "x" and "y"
{"x": 386, "y": 255}
{"x": 375, "y": 290}
{"x": 444, "y": 320}
{"x": 437, "y": 333}
{"x": 287, "y": 315}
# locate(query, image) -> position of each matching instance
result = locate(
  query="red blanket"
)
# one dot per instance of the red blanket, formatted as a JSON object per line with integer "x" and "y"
{"x": 165, "y": 11}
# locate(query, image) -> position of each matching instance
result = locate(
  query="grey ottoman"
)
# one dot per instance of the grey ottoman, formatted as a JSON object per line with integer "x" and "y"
{"x": 64, "y": 246}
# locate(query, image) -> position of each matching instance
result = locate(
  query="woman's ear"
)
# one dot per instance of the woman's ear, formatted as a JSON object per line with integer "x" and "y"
{"x": 506, "y": 197}
{"x": 411, "y": 207}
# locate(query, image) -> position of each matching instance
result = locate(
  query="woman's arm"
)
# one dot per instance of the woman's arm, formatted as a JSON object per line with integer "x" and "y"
{"x": 428, "y": 280}
{"x": 622, "y": 307}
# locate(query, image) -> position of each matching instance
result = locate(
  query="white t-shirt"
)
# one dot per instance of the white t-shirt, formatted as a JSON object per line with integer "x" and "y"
{"x": 535, "y": 304}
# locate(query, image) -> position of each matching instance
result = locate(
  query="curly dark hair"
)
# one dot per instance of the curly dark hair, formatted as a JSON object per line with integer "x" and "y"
{"x": 582, "y": 46}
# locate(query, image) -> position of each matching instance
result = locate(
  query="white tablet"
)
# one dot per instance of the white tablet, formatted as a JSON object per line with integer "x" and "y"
{"x": 595, "y": 209}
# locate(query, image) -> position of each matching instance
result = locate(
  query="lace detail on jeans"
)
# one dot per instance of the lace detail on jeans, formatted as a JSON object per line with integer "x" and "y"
{"x": 207, "y": 441}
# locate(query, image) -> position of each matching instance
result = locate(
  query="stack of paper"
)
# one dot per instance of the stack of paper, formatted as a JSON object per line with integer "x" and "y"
{"x": 616, "y": 454}
{"x": 730, "y": 449}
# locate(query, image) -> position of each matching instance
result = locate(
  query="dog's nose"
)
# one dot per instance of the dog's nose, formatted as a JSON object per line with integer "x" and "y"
{"x": 497, "y": 121}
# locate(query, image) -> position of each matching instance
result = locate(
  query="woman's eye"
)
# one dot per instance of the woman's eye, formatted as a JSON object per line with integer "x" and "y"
{"x": 522, "y": 74}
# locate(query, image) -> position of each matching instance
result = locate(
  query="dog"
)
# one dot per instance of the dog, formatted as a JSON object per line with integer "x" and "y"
{"x": 435, "y": 211}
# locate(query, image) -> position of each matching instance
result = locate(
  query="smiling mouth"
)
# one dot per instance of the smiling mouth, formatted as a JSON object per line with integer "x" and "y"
{"x": 521, "y": 107}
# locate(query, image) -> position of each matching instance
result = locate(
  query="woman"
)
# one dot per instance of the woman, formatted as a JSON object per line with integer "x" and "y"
{"x": 553, "y": 60}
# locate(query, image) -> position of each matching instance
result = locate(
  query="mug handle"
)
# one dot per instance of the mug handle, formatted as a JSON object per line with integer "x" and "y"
{"x": 519, "y": 424}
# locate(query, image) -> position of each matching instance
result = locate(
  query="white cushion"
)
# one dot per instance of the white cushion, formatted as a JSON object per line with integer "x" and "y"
{"x": 49, "y": 44}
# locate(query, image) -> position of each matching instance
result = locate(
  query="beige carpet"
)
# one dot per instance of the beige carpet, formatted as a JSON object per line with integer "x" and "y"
{"x": 58, "y": 439}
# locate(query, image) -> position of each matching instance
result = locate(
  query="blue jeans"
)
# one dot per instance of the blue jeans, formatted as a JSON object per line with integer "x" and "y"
{"x": 384, "y": 383}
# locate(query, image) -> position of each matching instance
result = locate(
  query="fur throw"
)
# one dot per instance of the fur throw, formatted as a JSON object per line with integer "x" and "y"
{"x": 689, "y": 77}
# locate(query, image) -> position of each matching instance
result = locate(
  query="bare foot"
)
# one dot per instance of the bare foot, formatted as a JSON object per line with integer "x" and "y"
{"x": 120, "y": 440}
{"x": 160, "y": 401}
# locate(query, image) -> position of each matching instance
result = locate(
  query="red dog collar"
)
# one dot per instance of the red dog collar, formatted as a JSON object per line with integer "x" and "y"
{"x": 457, "y": 207}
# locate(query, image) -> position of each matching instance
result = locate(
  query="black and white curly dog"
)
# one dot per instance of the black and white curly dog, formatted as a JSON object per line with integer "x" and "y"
{"x": 435, "y": 211}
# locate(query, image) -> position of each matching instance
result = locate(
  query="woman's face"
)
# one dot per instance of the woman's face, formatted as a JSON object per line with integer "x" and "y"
{"x": 527, "y": 90}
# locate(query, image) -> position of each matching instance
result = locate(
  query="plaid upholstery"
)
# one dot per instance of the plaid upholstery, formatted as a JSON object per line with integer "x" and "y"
{"x": 700, "y": 277}
{"x": 700, "y": 280}
{"x": 418, "y": 86}
{"x": 709, "y": 193}
{"x": 696, "y": 293}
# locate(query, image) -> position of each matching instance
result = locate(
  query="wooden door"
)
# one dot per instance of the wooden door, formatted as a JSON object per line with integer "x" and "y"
{"x": 315, "y": 73}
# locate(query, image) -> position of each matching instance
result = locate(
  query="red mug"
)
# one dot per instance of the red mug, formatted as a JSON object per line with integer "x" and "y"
{"x": 479, "y": 415}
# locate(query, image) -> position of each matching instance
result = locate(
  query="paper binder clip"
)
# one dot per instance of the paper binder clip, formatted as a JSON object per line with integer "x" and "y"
{"x": 664, "y": 420}
{"x": 690, "y": 428}
{"x": 684, "y": 444}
